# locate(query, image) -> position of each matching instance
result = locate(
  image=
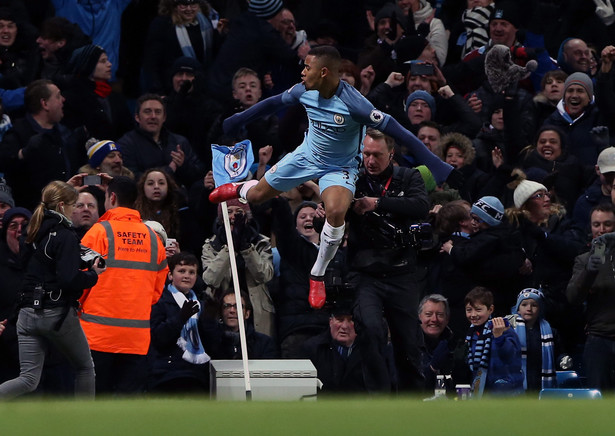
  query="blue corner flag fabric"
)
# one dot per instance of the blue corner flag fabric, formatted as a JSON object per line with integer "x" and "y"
{"x": 231, "y": 164}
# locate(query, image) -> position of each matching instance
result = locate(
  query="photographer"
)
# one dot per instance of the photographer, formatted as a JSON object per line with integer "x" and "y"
{"x": 382, "y": 256}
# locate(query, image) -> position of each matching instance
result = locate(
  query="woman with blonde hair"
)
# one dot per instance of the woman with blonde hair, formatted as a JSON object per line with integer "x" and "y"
{"x": 53, "y": 282}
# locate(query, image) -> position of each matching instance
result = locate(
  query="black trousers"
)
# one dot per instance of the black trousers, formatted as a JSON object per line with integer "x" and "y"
{"x": 118, "y": 373}
{"x": 396, "y": 298}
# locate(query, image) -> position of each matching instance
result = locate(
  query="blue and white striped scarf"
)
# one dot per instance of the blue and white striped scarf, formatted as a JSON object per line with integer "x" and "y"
{"x": 548, "y": 362}
{"x": 206, "y": 34}
{"x": 189, "y": 340}
{"x": 478, "y": 359}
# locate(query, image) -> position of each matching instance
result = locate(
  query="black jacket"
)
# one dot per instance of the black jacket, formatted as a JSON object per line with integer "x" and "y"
{"x": 223, "y": 343}
{"x": 165, "y": 356}
{"x": 54, "y": 262}
{"x": 141, "y": 152}
{"x": 251, "y": 42}
{"x": 104, "y": 118}
{"x": 373, "y": 246}
{"x": 492, "y": 258}
{"x": 297, "y": 256}
{"x": 339, "y": 375}
{"x": 49, "y": 154}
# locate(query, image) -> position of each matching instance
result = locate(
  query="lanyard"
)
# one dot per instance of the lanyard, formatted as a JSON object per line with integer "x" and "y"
{"x": 386, "y": 186}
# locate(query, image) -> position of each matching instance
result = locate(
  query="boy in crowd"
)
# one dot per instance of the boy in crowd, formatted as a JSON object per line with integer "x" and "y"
{"x": 494, "y": 351}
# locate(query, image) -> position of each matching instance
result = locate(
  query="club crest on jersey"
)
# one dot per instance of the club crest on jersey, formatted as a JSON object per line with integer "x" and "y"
{"x": 376, "y": 116}
{"x": 339, "y": 119}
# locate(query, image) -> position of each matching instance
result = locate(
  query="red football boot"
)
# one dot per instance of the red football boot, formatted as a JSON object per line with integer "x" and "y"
{"x": 317, "y": 295}
{"x": 225, "y": 192}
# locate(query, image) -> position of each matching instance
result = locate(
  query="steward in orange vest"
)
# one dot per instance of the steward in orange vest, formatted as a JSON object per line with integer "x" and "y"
{"x": 116, "y": 312}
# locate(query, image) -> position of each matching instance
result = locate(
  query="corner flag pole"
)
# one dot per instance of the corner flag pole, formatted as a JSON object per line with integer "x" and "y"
{"x": 242, "y": 327}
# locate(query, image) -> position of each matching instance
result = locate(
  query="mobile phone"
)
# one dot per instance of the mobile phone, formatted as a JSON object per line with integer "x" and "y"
{"x": 170, "y": 242}
{"x": 599, "y": 250}
{"x": 421, "y": 69}
{"x": 92, "y": 180}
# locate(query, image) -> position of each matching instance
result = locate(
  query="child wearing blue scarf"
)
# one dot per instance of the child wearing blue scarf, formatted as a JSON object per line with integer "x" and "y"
{"x": 177, "y": 357}
{"x": 536, "y": 338}
{"x": 494, "y": 352}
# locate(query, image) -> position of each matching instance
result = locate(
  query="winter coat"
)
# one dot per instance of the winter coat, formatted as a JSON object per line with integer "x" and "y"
{"x": 104, "y": 118}
{"x": 297, "y": 256}
{"x": 165, "y": 356}
{"x": 255, "y": 266}
{"x": 140, "y": 153}
{"x": 54, "y": 262}
{"x": 570, "y": 176}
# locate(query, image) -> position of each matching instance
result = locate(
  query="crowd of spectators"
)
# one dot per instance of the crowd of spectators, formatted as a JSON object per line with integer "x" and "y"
{"x": 141, "y": 90}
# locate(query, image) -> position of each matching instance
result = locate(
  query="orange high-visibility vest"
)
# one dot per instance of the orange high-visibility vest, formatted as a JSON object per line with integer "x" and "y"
{"x": 116, "y": 311}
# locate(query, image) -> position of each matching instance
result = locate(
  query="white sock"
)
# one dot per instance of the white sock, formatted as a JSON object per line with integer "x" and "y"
{"x": 243, "y": 191}
{"x": 330, "y": 240}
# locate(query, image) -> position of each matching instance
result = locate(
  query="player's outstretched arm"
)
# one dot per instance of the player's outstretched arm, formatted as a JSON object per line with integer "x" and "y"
{"x": 263, "y": 108}
{"x": 438, "y": 168}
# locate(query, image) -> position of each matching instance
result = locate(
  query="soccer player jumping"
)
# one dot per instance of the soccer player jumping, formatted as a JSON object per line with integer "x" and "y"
{"x": 338, "y": 115}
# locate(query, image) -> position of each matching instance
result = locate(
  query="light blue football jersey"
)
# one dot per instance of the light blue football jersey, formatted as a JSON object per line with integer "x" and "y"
{"x": 337, "y": 124}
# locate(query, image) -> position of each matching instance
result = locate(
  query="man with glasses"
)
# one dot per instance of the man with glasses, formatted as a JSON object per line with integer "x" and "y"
{"x": 222, "y": 341}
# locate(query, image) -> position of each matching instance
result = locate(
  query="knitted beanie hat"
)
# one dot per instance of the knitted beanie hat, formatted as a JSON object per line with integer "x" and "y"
{"x": 489, "y": 209}
{"x": 99, "y": 150}
{"x": 580, "y": 79}
{"x": 508, "y": 11}
{"x": 530, "y": 293}
{"x": 426, "y": 97}
{"x": 187, "y": 64}
{"x": 265, "y": 8}
{"x": 525, "y": 190}
{"x": 84, "y": 59}
{"x": 6, "y": 193}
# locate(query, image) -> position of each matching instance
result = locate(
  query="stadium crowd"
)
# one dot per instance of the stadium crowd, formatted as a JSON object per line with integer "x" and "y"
{"x": 499, "y": 277}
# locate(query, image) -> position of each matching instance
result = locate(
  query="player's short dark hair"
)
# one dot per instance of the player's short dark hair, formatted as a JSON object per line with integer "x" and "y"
{"x": 329, "y": 56}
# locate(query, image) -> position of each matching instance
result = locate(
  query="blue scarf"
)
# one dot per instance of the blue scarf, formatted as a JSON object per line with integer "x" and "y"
{"x": 546, "y": 339}
{"x": 189, "y": 339}
{"x": 206, "y": 34}
{"x": 478, "y": 357}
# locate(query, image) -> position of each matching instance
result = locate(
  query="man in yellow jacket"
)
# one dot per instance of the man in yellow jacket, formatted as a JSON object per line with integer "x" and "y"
{"x": 116, "y": 312}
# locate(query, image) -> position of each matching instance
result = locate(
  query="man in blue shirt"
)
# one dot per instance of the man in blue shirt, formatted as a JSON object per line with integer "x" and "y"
{"x": 337, "y": 114}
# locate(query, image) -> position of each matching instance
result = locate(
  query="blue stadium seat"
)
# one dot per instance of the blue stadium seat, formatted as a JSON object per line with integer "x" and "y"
{"x": 587, "y": 394}
{"x": 570, "y": 379}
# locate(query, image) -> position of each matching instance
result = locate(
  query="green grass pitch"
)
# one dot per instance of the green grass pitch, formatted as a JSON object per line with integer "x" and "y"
{"x": 330, "y": 416}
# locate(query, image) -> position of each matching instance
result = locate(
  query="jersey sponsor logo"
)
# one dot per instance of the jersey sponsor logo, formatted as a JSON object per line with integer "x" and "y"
{"x": 376, "y": 116}
{"x": 339, "y": 119}
{"x": 326, "y": 128}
